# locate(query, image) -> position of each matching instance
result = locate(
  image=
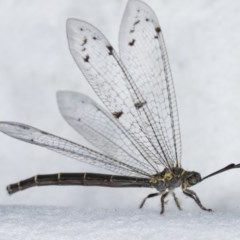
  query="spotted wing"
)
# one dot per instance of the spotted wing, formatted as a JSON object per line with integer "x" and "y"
{"x": 101, "y": 129}
{"x": 112, "y": 82}
{"x": 143, "y": 50}
{"x": 38, "y": 137}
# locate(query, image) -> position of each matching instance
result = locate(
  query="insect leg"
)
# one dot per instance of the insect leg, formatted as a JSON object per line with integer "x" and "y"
{"x": 176, "y": 201}
{"x": 164, "y": 195}
{"x": 149, "y": 196}
{"x": 194, "y": 196}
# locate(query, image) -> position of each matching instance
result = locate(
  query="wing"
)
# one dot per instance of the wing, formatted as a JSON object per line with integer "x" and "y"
{"x": 101, "y": 129}
{"x": 111, "y": 81}
{"x": 143, "y": 50}
{"x": 38, "y": 137}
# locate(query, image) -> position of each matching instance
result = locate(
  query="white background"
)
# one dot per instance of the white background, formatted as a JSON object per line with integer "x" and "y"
{"x": 202, "y": 39}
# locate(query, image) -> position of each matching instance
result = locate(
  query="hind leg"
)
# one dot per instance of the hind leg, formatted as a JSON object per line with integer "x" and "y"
{"x": 149, "y": 196}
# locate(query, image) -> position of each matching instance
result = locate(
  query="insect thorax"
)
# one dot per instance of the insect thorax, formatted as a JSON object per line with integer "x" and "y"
{"x": 170, "y": 178}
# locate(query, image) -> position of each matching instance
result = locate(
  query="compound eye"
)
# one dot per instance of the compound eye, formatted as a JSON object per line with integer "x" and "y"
{"x": 193, "y": 180}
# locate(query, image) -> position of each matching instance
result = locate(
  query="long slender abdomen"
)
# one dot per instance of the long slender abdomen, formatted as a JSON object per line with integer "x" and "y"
{"x": 84, "y": 179}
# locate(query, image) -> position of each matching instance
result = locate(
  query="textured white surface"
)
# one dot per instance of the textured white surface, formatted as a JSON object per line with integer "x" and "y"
{"x": 202, "y": 38}
{"x": 40, "y": 223}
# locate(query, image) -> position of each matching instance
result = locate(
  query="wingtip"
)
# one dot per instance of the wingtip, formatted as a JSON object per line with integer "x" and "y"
{"x": 69, "y": 21}
{"x": 4, "y": 125}
{"x": 60, "y": 96}
{"x": 60, "y": 93}
{"x": 74, "y": 21}
{"x": 63, "y": 93}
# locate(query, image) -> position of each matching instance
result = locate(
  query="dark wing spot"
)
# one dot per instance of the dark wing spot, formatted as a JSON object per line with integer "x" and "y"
{"x": 86, "y": 59}
{"x": 94, "y": 38}
{"x": 117, "y": 114}
{"x": 79, "y": 119}
{"x": 138, "y": 10}
{"x": 158, "y": 29}
{"x": 24, "y": 127}
{"x": 31, "y": 140}
{"x": 147, "y": 19}
{"x": 84, "y": 49}
{"x": 84, "y": 42}
{"x": 45, "y": 133}
{"x": 139, "y": 104}
{"x": 81, "y": 29}
{"x": 156, "y": 37}
{"x": 137, "y": 22}
{"x": 110, "y": 49}
{"x": 132, "y": 42}
{"x": 134, "y": 24}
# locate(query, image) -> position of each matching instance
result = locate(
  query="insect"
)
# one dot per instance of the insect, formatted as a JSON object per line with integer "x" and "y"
{"x": 137, "y": 133}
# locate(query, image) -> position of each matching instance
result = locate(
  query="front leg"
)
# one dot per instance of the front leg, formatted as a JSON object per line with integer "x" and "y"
{"x": 194, "y": 196}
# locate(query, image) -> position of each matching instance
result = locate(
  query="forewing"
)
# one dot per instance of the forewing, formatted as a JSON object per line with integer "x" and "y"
{"x": 143, "y": 50}
{"x": 111, "y": 81}
{"x": 38, "y": 137}
{"x": 101, "y": 129}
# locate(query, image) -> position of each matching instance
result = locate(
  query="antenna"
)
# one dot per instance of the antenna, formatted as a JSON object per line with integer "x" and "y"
{"x": 228, "y": 167}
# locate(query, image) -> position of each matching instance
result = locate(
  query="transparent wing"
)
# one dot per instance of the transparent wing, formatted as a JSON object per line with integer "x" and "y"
{"x": 143, "y": 50}
{"x": 100, "y": 128}
{"x": 111, "y": 81}
{"x": 38, "y": 137}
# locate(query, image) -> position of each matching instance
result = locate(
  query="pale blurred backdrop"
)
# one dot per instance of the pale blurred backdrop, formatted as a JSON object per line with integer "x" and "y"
{"x": 203, "y": 42}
